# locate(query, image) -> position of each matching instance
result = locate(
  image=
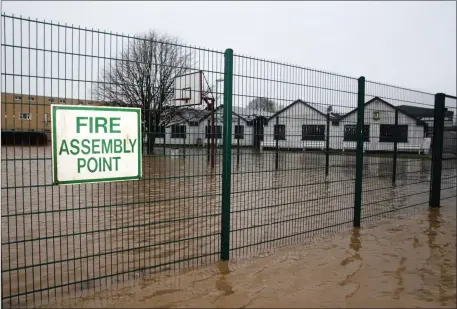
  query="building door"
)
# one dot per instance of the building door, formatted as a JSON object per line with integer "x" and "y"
{"x": 258, "y": 132}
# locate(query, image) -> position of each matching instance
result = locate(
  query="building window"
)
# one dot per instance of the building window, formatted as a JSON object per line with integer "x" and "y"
{"x": 17, "y": 98}
{"x": 160, "y": 133}
{"x": 193, "y": 123}
{"x": 46, "y": 118}
{"x": 313, "y": 133}
{"x": 25, "y": 116}
{"x": 376, "y": 115}
{"x": 280, "y": 132}
{"x": 350, "y": 133}
{"x": 61, "y": 101}
{"x": 31, "y": 99}
{"x": 389, "y": 133}
{"x": 239, "y": 132}
{"x": 217, "y": 129}
{"x": 51, "y": 100}
{"x": 178, "y": 131}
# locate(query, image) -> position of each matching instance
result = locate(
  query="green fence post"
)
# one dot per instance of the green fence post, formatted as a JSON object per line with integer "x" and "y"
{"x": 359, "y": 154}
{"x": 227, "y": 155}
{"x": 437, "y": 150}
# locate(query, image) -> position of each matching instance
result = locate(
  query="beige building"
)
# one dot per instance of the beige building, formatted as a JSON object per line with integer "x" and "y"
{"x": 24, "y": 116}
{"x": 23, "y": 112}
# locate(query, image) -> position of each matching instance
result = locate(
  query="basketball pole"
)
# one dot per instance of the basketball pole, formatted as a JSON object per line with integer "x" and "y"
{"x": 212, "y": 135}
{"x": 210, "y": 104}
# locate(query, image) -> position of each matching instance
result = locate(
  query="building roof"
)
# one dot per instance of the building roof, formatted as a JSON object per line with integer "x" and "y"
{"x": 313, "y": 106}
{"x": 189, "y": 114}
{"x": 422, "y": 112}
{"x": 235, "y": 111}
{"x": 249, "y": 113}
{"x": 419, "y": 122}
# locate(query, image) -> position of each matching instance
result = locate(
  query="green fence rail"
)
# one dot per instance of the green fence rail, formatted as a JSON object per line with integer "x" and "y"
{"x": 270, "y": 154}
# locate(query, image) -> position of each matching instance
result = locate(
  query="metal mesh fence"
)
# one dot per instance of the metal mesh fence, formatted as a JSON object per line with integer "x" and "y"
{"x": 240, "y": 155}
{"x": 449, "y": 176}
{"x": 398, "y": 178}
{"x": 64, "y": 239}
{"x": 290, "y": 184}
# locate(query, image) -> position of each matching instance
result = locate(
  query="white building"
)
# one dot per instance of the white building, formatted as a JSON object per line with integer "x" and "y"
{"x": 380, "y": 131}
{"x": 300, "y": 125}
{"x": 242, "y": 131}
{"x": 427, "y": 115}
{"x": 182, "y": 129}
{"x": 189, "y": 126}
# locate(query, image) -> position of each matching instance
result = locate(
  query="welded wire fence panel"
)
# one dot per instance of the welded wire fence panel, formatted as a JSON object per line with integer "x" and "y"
{"x": 449, "y": 170}
{"x": 61, "y": 240}
{"x": 292, "y": 149}
{"x": 290, "y": 184}
{"x": 399, "y": 131}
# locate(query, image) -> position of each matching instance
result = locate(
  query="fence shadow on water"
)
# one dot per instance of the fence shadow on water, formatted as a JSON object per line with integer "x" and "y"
{"x": 297, "y": 151}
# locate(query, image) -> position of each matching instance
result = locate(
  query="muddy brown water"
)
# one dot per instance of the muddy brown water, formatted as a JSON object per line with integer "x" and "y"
{"x": 402, "y": 262}
{"x": 109, "y": 233}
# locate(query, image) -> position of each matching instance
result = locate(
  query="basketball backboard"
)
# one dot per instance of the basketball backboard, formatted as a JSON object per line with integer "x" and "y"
{"x": 188, "y": 89}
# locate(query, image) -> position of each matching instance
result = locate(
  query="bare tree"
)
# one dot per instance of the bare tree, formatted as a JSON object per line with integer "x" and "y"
{"x": 263, "y": 104}
{"x": 143, "y": 77}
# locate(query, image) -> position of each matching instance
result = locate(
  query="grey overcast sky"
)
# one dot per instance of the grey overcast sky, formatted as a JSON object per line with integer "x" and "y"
{"x": 410, "y": 44}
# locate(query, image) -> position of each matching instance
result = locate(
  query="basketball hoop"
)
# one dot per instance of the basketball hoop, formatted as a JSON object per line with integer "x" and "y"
{"x": 188, "y": 89}
{"x": 183, "y": 102}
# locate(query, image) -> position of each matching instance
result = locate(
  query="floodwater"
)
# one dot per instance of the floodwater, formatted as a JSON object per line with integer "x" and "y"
{"x": 407, "y": 261}
{"x": 60, "y": 242}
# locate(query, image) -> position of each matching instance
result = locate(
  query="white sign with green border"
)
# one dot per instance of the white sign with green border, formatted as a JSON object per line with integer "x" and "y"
{"x": 95, "y": 144}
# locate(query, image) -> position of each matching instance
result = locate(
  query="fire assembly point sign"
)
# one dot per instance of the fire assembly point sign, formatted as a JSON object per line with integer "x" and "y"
{"x": 95, "y": 144}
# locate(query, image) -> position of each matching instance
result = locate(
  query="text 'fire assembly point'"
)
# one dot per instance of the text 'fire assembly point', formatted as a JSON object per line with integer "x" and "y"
{"x": 95, "y": 144}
